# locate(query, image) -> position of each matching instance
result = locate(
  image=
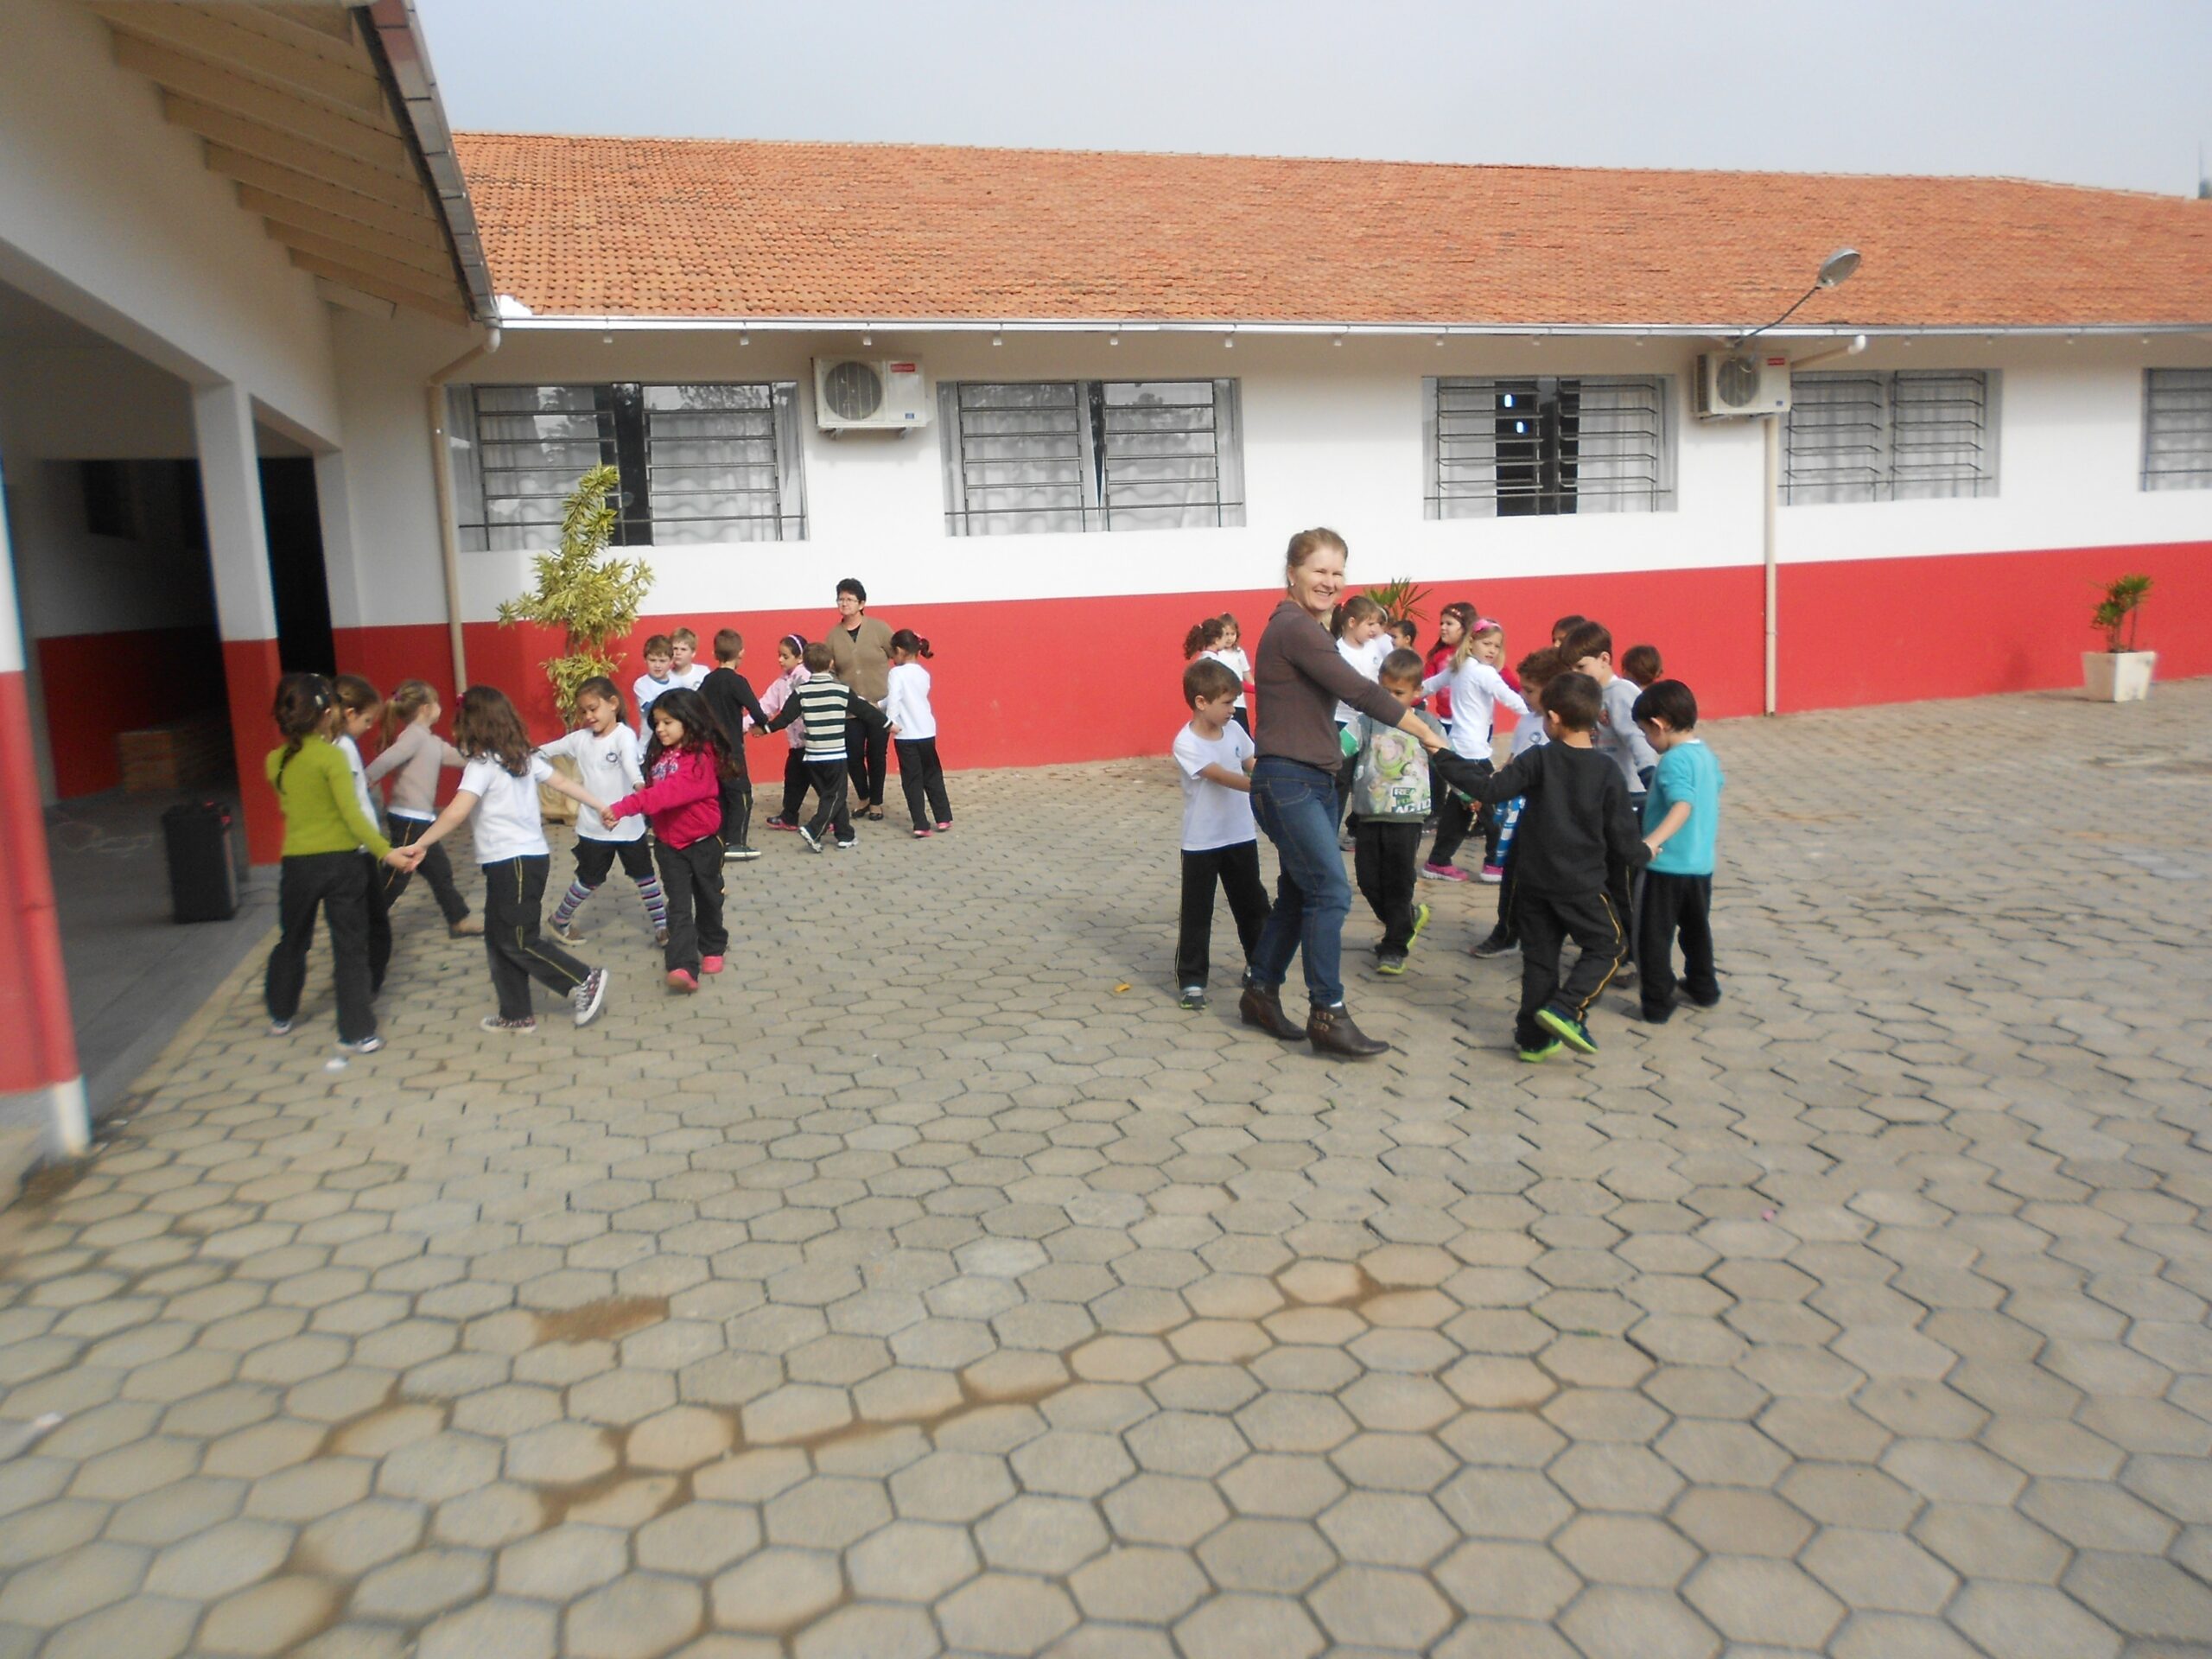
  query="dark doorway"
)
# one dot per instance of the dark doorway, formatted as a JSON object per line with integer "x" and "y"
{"x": 295, "y": 570}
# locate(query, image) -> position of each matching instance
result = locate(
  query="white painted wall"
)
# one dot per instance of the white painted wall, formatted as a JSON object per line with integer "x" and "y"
{"x": 1333, "y": 435}
{"x": 107, "y": 214}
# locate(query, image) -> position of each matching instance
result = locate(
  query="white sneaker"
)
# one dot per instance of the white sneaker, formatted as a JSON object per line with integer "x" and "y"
{"x": 590, "y": 996}
{"x": 813, "y": 841}
{"x": 280, "y": 1027}
{"x": 366, "y": 1046}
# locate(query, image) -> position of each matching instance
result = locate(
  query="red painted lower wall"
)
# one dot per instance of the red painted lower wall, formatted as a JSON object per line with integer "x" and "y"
{"x": 1966, "y": 625}
{"x": 97, "y": 684}
{"x": 42, "y": 1046}
{"x": 250, "y": 670}
{"x": 1037, "y": 681}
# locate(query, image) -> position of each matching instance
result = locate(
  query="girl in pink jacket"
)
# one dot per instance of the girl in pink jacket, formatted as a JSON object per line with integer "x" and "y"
{"x": 685, "y": 763}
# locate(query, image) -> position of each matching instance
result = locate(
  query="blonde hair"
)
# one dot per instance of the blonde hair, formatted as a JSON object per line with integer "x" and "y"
{"x": 1466, "y": 648}
{"x": 408, "y": 698}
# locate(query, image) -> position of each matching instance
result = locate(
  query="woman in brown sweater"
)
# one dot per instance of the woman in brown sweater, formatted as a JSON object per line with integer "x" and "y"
{"x": 860, "y": 646}
{"x": 1299, "y": 678}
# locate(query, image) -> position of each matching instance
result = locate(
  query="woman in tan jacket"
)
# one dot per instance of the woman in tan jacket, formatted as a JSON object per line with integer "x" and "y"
{"x": 861, "y": 648}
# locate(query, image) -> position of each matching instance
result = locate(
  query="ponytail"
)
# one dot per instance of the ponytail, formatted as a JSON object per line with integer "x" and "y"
{"x": 303, "y": 705}
{"x": 1359, "y": 608}
{"x": 1204, "y": 634}
{"x": 408, "y": 699}
{"x": 910, "y": 642}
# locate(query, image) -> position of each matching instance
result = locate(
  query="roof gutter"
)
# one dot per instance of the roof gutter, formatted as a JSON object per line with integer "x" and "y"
{"x": 515, "y": 323}
{"x": 395, "y": 37}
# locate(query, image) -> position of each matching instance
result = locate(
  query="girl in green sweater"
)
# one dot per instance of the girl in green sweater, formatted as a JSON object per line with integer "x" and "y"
{"x": 325, "y": 831}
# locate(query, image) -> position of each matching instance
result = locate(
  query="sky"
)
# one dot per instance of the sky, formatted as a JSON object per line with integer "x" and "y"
{"x": 2113, "y": 92}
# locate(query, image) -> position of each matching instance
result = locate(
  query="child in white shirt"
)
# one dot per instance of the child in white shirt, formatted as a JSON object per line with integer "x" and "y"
{"x": 684, "y": 667}
{"x": 659, "y": 677}
{"x": 498, "y": 793}
{"x": 913, "y": 734}
{"x": 1221, "y": 842}
{"x": 607, "y": 763}
{"x": 1478, "y": 691}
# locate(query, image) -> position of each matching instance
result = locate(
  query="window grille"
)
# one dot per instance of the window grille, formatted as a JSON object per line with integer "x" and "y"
{"x": 1026, "y": 457}
{"x": 1916, "y": 435}
{"x": 1545, "y": 445}
{"x": 696, "y": 463}
{"x": 722, "y": 463}
{"x": 2177, "y": 430}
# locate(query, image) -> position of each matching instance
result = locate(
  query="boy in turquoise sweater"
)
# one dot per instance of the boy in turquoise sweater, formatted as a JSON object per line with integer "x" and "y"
{"x": 1682, "y": 824}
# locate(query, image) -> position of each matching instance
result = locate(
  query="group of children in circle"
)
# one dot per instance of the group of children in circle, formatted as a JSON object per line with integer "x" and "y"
{"x": 669, "y": 798}
{"x": 1641, "y": 723}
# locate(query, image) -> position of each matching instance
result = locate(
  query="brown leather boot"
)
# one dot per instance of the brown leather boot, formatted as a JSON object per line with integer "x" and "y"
{"x": 1264, "y": 1009}
{"x": 1334, "y": 1033}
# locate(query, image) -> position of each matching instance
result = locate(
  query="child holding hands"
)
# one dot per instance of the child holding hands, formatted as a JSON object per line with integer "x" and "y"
{"x": 497, "y": 797}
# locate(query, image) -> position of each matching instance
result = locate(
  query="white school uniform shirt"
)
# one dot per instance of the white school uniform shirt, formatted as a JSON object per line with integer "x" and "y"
{"x": 1476, "y": 689}
{"x": 609, "y": 768}
{"x": 347, "y": 747}
{"x": 1529, "y": 734}
{"x": 647, "y": 688}
{"x": 507, "y": 824}
{"x": 1368, "y": 659}
{"x": 1214, "y": 815}
{"x": 1236, "y": 663}
{"x": 692, "y": 677}
{"x": 907, "y": 702}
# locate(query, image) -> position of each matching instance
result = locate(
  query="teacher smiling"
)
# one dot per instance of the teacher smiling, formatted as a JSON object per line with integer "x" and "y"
{"x": 1301, "y": 679}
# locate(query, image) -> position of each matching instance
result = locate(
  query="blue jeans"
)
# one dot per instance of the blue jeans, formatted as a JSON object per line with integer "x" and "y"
{"x": 1296, "y": 806}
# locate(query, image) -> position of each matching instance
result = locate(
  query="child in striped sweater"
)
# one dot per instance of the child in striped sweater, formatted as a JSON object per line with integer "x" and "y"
{"x": 831, "y": 708}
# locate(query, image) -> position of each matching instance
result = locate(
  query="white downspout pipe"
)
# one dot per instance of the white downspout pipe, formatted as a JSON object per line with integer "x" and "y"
{"x": 1772, "y": 424}
{"x": 434, "y": 394}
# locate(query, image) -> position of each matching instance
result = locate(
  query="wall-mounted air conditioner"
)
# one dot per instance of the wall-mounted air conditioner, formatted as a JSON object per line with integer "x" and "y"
{"x": 1742, "y": 383}
{"x": 870, "y": 394}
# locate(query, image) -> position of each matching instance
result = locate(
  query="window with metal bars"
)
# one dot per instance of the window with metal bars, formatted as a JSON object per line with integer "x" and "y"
{"x": 698, "y": 463}
{"x": 1026, "y": 457}
{"x": 2177, "y": 430}
{"x": 1915, "y": 434}
{"x": 1540, "y": 445}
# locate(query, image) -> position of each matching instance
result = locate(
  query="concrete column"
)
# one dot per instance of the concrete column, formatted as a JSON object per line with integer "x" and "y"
{"x": 245, "y": 605}
{"x": 39, "y": 1054}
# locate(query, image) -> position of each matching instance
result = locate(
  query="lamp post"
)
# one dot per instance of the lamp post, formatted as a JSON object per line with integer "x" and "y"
{"x": 1835, "y": 269}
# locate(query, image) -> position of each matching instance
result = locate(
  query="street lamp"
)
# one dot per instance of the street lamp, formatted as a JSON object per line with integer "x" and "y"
{"x": 1835, "y": 269}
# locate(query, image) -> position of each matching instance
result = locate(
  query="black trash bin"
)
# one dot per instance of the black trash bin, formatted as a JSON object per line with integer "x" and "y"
{"x": 206, "y": 854}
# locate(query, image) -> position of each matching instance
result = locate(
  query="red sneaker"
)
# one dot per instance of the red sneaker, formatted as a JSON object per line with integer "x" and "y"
{"x": 680, "y": 979}
{"x": 710, "y": 964}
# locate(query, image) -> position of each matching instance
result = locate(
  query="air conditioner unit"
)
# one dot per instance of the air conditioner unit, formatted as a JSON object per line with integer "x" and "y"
{"x": 1742, "y": 383}
{"x": 870, "y": 394}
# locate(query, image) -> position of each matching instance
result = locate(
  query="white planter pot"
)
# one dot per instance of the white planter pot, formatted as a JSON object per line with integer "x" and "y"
{"x": 2118, "y": 675}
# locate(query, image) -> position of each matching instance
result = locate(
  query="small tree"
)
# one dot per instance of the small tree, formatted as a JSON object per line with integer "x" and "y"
{"x": 592, "y": 602}
{"x": 1402, "y": 600}
{"x": 2115, "y": 612}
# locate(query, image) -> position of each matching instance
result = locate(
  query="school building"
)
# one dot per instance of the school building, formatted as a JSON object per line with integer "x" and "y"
{"x": 292, "y": 375}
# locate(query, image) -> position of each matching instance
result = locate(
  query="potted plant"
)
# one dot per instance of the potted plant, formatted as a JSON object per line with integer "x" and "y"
{"x": 2119, "y": 673}
{"x": 1401, "y": 600}
{"x": 592, "y": 602}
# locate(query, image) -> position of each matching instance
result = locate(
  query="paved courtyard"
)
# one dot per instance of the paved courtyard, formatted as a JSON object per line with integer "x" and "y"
{"x": 932, "y": 1285}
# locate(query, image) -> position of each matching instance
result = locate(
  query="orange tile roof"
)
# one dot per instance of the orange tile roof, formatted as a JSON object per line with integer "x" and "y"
{"x": 694, "y": 227}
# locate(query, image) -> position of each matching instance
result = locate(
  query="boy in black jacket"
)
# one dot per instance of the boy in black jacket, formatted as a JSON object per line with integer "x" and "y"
{"x": 1575, "y": 835}
{"x": 730, "y": 700}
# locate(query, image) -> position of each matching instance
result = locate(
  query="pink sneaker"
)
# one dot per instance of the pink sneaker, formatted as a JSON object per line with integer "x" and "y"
{"x": 680, "y": 980}
{"x": 1444, "y": 873}
{"x": 710, "y": 964}
{"x": 1493, "y": 874}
